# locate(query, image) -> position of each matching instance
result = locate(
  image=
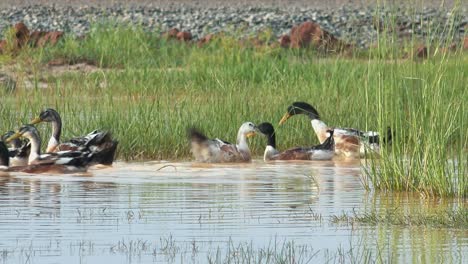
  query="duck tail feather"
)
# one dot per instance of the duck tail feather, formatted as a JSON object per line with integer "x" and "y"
{"x": 196, "y": 136}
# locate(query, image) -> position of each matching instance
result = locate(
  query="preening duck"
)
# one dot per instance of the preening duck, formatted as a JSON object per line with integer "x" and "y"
{"x": 18, "y": 150}
{"x": 100, "y": 142}
{"x": 217, "y": 150}
{"x": 348, "y": 141}
{"x": 59, "y": 162}
{"x": 324, "y": 151}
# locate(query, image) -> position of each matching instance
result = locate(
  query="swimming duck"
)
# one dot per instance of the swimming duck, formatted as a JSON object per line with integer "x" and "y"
{"x": 348, "y": 141}
{"x": 4, "y": 157}
{"x": 18, "y": 151}
{"x": 324, "y": 151}
{"x": 217, "y": 150}
{"x": 100, "y": 142}
{"x": 59, "y": 162}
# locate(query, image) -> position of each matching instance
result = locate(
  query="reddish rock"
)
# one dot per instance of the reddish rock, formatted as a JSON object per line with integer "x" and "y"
{"x": 421, "y": 52}
{"x": 35, "y": 37}
{"x": 171, "y": 34}
{"x": 465, "y": 43}
{"x": 21, "y": 35}
{"x": 50, "y": 38}
{"x": 205, "y": 40}
{"x": 3, "y": 45}
{"x": 184, "y": 36}
{"x": 309, "y": 33}
{"x": 284, "y": 41}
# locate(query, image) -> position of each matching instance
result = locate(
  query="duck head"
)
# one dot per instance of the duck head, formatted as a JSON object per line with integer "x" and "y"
{"x": 48, "y": 115}
{"x": 248, "y": 129}
{"x": 268, "y": 131}
{"x": 297, "y": 108}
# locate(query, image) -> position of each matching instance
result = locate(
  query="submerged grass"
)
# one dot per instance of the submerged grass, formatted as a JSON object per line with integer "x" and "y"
{"x": 148, "y": 91}
{"x": 447, "y": 218}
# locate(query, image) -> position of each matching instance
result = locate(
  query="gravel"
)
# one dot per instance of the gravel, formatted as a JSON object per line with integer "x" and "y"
{"x": 355, "y": 24}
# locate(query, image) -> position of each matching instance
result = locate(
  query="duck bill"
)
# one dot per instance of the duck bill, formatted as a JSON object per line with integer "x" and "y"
{"x": 250, "y": 134}
{"x": 36, "y": 121}
{"x": 13, "y": 137}
{"x": 284, "y": 118}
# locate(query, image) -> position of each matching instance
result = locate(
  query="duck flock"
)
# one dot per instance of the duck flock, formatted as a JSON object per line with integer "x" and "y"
{"x": 23, "y": 153}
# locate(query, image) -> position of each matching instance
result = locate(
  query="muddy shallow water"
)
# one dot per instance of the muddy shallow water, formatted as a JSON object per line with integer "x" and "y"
{"x": 185, "y": 212}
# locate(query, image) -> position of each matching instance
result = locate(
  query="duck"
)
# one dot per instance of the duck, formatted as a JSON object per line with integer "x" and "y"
{"x": 100, "y": 142}
{"x": 4, "y": 157}
{"x": 349, "y": 142}
{"x": 324, "y": 151}
{"x": 57, "y": 162}
{"x": 18, "y": 150}
{"x": 216, "y": 150}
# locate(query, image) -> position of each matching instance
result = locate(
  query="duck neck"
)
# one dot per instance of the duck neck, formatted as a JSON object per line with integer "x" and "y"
{"x": 320, "y": 129}
{"x": 271, "y": 140}
{"x": 270, "y": 149}
{"x": 56, "y": 133}
{"x": 242, "y": 142}
{"x": 35, "y": 148}
{"x": 329, "y": 142}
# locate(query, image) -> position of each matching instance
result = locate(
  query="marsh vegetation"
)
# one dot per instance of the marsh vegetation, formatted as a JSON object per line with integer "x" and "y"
{"x": 148, "y": 91}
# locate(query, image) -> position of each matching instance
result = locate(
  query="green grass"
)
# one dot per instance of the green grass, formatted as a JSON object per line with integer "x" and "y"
{"x": 148, "y": 91}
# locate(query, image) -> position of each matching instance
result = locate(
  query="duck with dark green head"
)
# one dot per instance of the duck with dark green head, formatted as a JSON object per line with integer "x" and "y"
{"x": 324, "y": 151}
{"x": 349, "y": 142}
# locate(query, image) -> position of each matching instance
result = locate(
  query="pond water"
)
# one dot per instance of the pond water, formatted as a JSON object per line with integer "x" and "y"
{"x": 195, "y": 213}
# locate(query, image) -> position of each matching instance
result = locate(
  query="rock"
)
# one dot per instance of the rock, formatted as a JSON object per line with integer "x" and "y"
{"x": 3, "y": 45}
{"x": 35, "y": 37}
{"x": 465, "y": 43}
{"x": 21, "y": 35}
{"x": 205, "y": 40}
{"x": 421, "y": 52}
{"x": 284, "y": 41}
{"x": 171, "y": 34}
{"x": 308, "y": 33}
{"x": 184, "y": 36}
{"x": 50, "y": 38}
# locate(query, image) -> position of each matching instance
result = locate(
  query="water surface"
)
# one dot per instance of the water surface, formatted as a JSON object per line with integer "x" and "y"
{"x": 185, "y": 212}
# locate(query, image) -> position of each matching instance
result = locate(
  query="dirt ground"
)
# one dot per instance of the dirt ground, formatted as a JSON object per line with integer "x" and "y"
{"x": 214, "y": 3}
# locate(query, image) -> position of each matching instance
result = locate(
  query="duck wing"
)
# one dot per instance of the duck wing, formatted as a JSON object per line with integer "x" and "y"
{"x": 305, "y": 153}
{"x": 99, "y": 142}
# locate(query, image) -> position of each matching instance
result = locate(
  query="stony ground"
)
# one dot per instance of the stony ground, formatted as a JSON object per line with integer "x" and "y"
{"x": 356, "y": 23}
{"x": 216, "y": 3}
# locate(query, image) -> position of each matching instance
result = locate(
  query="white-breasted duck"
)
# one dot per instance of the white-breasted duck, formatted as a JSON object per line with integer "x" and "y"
{"x": 324, "y": 151}
{"x": 217, "y": 150}
{"x": 349, "y": 142}
{"x": 100, "y": 142}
